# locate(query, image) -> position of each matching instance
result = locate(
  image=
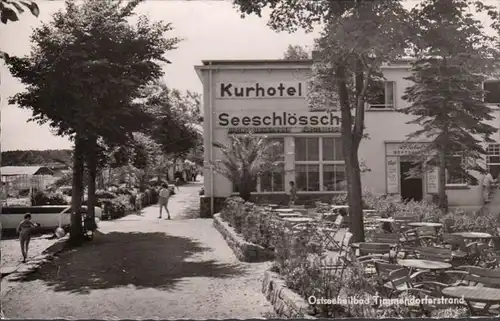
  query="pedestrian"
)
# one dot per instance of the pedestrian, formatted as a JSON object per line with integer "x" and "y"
{"x": 164, "y": 196}
{"x": 138, "y": 203}
{"x": 293, "y": 193}
{"x": 177, "y": 182}
{"x": 25, "y": 229}
{"x": 488, "y": 184}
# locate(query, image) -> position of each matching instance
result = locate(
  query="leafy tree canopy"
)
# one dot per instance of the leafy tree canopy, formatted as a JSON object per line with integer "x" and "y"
{"x": 296, "y": 53}
{"x": 10, "y": 9}
{"x": 36, "y": 157}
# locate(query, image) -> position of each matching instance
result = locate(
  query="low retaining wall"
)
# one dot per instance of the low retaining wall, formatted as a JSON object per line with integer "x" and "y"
{"x": 244, "y": 251}
{"x": 286, "y": 303}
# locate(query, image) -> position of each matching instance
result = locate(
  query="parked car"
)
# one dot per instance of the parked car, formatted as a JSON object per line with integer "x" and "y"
{"x": 48, "y": 216}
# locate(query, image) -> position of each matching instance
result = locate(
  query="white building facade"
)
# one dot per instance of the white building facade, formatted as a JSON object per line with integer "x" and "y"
{"x": 270, "y": 97}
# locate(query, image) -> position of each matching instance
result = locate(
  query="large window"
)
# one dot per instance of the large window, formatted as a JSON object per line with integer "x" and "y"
{"x": 492, "y": 92}
{"x": 274, "y": 180}
{"x": 456, "y": 178}
{"x": 381, "y": 95}
{"x": 319, "y": 164}
{"x": 493, "y": 159}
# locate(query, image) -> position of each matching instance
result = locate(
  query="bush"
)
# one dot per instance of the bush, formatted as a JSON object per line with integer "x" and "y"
{"x": 466, "y": 222}
{"x": 44, "y": 198}
{"x": 102, "y": 194}
{"x": 117, "y": 207}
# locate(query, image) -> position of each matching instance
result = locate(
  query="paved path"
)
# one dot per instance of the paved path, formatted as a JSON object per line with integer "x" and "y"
{"x": 144, "y": 267}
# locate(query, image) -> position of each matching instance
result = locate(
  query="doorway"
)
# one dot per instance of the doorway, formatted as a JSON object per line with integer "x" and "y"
{"x": 411, "y": 187}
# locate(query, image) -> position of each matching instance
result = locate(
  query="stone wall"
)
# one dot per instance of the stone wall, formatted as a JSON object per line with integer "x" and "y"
{"x": 244, "y": 251}
{"x": 286, "y": 303}
{"x": 205, "y": 206}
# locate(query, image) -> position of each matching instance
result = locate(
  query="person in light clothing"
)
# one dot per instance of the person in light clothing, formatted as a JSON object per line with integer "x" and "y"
{"x": 164, "y": 196}
{"x": 25, "y": 230}
{"x": 488, "y": 185}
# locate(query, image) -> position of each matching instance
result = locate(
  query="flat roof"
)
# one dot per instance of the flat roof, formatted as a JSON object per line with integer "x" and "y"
{"x": 257, "y": 62}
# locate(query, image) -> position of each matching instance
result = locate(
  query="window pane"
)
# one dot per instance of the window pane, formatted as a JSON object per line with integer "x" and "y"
{"x": 376, "y": 93}
{"x": 313, "y": 177}
{"x": 301, "y": 177}
{"x": 339, "y": 153}
{"x": 340, "y": 178}
{"x": 300, "y": 149}
{"x": 279, "y": 178}
{"x": 494, "y": 159}
{"x": 328, "y": 177}
{"x": 328, "y": 149}
{"x": 280, "y": 149}
{"x": 266, "y": 182}
{"x": 313, "y": 149}
{"x": 492, "y": 90}
{"x": 389, "y": 93}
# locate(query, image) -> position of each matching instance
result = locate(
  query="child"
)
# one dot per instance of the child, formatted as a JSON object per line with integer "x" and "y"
{"x": 24, "y": 229}
{"x": 164, "y": 196}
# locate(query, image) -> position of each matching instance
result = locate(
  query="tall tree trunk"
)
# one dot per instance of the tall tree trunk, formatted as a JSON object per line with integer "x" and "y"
{"x": 443, "y": 204}
{"x": 76, "y": 231}
{"x": 92, "y": 174}
{"x": 351, "y": 137}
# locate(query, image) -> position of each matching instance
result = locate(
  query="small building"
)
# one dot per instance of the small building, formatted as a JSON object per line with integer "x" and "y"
{"x": 26, "y": 177}
{"x": 270, "y": 97}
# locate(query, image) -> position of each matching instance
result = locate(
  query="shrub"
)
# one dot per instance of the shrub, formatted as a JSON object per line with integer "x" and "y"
{"x": 117, "y": 207}
{"x": 43, "y": 198}
{"x": 464, "y": 222}
{"x": 232, "y": 212}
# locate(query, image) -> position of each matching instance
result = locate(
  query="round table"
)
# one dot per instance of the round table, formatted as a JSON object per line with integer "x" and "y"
{"x": 298, "y": 219}
{"x": 284, "y": 210}
{"x": 473, "y": 293}
{"x": 283, "y": 215}
{"x": 425, "y": 224}
{"x": 473, "y": 235}
{"x": 385, "y": 220}
{"x": 424, "y": 264}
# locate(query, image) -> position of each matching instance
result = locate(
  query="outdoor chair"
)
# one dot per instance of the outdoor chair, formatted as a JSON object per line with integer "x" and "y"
{"x": 490, "y": 259}
{"x": 393, "y": 279}
{"x": 344, "y": 256}
{"x": 401, "y": 222}
{"x": 389, "y": 238}
{"x": 369, "y": 253}
{"x": 434, "y": 254}
{"x": 427, "y": 235}
{"x": 449, "y": 225}
{"x": 328, "y": 231}
{"x": 410, "y": 240}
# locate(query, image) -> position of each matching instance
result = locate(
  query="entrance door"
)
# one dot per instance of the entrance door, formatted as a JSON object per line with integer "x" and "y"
{"x": 411, "y": 188}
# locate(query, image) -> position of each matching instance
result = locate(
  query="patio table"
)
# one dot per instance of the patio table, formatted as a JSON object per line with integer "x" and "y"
{"x": 298, "y": 219}
{"x": 424, "y": 264}
{"x": 385, "y": 220}
{"x": 474, "y": 294}
{"x": 284, "y": 210}
{"x": 284, "y": 215}
{"x": 474, "y": 235}
{"x": 436, "y": 226}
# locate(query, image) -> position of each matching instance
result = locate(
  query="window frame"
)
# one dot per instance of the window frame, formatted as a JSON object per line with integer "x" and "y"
{"x": 386, "y": 106}
{"x": 464, "y": 183}
{"x": 320, "y": 163}
{"x": 282, "y": 163}
{"x": 496, "y": 147}
{"x": 491, "y": 104}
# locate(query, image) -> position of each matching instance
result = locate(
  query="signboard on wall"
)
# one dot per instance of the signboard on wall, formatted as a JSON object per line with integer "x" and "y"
{"x": 392, "y": 173}
{"x": 404, "y": 149}
{"x": 432, "y": 181}
{"x": 253, "y": 90}
{"x": 272, "y": 119}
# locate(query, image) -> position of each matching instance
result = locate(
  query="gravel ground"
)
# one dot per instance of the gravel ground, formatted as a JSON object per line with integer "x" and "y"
{"x": 11, "y": 249}
{"x": 143, "y": 267}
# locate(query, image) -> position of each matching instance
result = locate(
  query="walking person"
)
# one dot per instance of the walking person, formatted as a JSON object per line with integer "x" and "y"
{"x": 138, "y": 203}
{"x": 164, "y": 196}
{"x": 177, "y": 182}
{"x": 293, "y": 193}
{"x": 488, "y": 185}
{"x": 25, "y": 229}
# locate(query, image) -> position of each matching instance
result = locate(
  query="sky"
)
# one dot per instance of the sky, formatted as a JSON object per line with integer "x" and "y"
{"x": 210, "y": 30}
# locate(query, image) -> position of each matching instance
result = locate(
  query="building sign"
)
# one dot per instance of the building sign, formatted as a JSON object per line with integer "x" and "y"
{"x": 260, "y": 90}
{"x": 304, "y": 119}
{"x": 405, "y": 149}
{"x": 271, "y": 130}
{"x": 392, "y": 173}
{"x": 432, "y": 181}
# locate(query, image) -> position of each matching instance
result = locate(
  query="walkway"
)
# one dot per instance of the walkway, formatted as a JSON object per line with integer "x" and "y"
{"x": 140, "y": 266}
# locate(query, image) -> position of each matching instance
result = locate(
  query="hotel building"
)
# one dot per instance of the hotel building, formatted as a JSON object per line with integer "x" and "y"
{"x": 270, "y": 97}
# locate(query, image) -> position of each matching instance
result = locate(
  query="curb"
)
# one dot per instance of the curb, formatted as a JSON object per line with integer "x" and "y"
{"x": 244, "y": 251}
{"x": 285, "y": 302}
{"x": 8, "y": 282}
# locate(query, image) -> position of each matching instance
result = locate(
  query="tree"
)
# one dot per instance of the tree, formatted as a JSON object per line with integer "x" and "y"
{"x": 84, "y": 76}
{"x": 296, "y": 53}
{"x": 358, "y": 37}
{"x": 8, "y": 9}
{"x": 176, "y": 114}
{"x": 454, "y": 57}
{"x": 245, "y": 159}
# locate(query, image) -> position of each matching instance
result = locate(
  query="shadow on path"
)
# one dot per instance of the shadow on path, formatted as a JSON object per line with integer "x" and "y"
{"x": 145, "y": 260}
